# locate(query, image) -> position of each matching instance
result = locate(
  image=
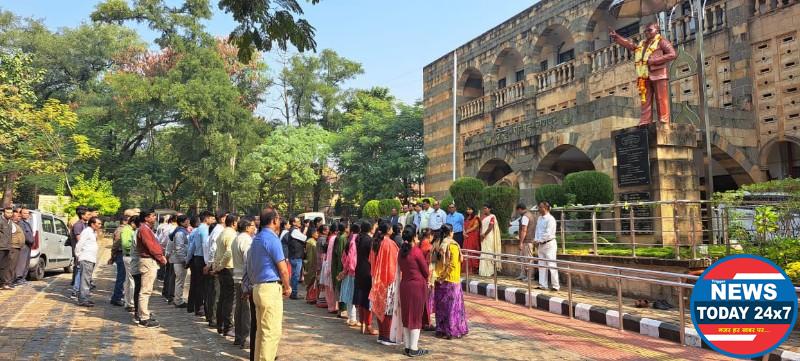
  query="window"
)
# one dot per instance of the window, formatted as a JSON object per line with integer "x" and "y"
{"x": 47, "y": 224}
{"x": 501, "y": 83}
{"x": 61, "y": 229}
{"x": 566, "y": 56}
{"x": 520, "y": 75}
{"x": 629, "y": 30}
{"x": 543, "y": 66}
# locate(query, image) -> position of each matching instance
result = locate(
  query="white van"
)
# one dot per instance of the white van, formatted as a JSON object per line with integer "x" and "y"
{"x": 312, "y": 215}
{"x": 48, "y": 252}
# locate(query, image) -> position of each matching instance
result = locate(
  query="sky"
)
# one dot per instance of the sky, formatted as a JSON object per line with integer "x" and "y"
{"x": 393, "y": 40}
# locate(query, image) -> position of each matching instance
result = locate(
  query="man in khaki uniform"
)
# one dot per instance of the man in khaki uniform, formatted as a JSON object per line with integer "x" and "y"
{"x": 527, "y": 231}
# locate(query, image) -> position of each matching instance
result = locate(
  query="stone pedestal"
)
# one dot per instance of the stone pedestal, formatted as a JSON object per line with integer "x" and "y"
{"x": 672, "y": 176}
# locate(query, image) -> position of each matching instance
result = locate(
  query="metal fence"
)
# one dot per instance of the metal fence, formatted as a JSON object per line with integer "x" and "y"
{"x": 680, "y": 224}
{"x": 683, "y": 283}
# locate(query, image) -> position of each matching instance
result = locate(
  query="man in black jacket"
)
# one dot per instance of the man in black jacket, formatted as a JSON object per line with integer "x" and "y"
{"x": 23, "y": 260}
{"x": 5, "y": 248}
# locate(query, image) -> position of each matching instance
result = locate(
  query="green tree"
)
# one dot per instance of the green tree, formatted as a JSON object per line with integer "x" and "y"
{"x": 386, "y": 206}
{"x": 372, "y": 209}
{"x": 380, "y": 147}
{"x": 284, "y": 164}
{"x": 553, "y": 193}
{"x": 93, "y": 192}
{"x": 503, "y": 200}
{"x": 467, "y": 192}
{"x": 36, "y": 139}
{"x": 589, "y": 187}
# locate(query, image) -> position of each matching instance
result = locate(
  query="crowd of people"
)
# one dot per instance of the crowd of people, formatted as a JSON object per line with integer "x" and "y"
{"x": 16, "y": 239}
{"x": 392, "y": 278}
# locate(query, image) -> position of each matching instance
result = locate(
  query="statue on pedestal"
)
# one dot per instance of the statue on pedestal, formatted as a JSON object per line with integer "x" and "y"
{"x": 652, "y": 56}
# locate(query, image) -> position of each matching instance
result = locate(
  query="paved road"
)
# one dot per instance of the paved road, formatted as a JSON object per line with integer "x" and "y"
{"x": 38, "y": 322}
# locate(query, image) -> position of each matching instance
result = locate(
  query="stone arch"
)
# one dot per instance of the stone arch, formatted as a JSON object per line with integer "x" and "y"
{"x": 494, "y": 170}
{"x": 780, "y": 153}
{"x": 506, "y": 65}
{"x": 555, "y": 39}
{"x": 470, "y": 84}
{"x": 596, "y": 28}
{"x": 559, "y": 161}
{"x": 733, "y": 160}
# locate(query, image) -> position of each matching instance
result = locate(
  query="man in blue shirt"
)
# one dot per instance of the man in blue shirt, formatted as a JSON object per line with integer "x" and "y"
{"x": 197, "y": 263}
{"x": 456, "y": 219}
{"x": 269, "y": 278}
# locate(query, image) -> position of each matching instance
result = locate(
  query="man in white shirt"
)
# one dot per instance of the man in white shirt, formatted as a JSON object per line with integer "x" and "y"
{"x": 401, "y": 220}
{"x": 212, "y": 284}
{"x": 545, "y": 239}
{"x": 437, "y": 219}
{"x": 86, "y": 253}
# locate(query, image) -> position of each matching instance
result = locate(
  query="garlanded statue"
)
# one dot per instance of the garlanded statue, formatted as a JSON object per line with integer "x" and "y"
{"x": 652, "y": 57}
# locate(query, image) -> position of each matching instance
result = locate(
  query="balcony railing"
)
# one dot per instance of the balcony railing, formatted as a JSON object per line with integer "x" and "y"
{"x": 472, "y": 108}
{"x": 559, "y": 75}
{"x": 609, "y": 57}
{"x": 509, "y": 94}
{"x": 765, "y": 6}
{"x": 684, "y": 29}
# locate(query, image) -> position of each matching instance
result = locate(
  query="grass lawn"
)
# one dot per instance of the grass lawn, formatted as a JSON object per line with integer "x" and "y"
{"x": 611, "y": 249}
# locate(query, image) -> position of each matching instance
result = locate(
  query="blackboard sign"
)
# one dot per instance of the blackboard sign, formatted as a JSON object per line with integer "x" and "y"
{"x": 641, "y": 214}
{"x": 633, "y": 158}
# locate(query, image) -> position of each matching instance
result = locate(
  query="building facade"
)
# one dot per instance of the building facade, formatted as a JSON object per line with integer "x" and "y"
{"x": 538, "y": 96}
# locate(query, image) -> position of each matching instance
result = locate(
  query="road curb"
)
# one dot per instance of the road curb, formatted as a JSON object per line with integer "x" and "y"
{"x": 600, "y": 315}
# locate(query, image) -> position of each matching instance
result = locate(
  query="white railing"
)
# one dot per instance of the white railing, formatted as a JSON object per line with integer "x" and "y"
{"x": 765, "y": 6}
{"x": 509, "y": 94}
{"x": 472, "y": 108}
{"x": 684, "y": 28}
{"x": 609, "y": 57}
{"x": 559, "y": 75}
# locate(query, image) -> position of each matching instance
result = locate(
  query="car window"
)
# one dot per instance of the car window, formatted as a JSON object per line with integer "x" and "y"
{"x": 47, "y": 224}
{"x": 61, "y": 228}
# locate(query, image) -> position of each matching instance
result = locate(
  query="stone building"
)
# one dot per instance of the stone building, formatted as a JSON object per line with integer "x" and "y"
{"x": 539, "y": 95}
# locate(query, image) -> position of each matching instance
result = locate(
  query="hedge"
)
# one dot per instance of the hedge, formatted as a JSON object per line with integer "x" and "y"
{"x": 553, "y": 193}
{"x": 385, "y": 206}
{"x": 467, "y": 192}
{"x": 503, "y": 200}
{"x": 372, "y": 209}
{"x": 446, "y": 201}
{"x": 589, "y": 187}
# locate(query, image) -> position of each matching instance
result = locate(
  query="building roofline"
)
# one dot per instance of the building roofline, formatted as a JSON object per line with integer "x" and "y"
{"x": 529, "y": 9}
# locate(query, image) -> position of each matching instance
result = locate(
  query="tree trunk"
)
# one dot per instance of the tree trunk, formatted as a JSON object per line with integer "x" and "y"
{"x": 8, "y": 190}
{"x": 317, "y": 195}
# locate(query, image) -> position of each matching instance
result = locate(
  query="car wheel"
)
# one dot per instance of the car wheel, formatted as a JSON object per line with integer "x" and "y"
{"x": 38, "y": 273}
{"x": 68, "y": 269}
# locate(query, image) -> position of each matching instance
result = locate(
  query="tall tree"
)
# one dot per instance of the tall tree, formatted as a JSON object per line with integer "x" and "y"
{"x": 380, "y": 148}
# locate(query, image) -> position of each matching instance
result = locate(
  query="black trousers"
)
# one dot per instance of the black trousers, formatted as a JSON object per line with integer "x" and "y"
{"x": 211, "y": 291}
{"x": 197, "y": 286}
{"x": 168, "y": 291}
{"x": 137, "y": 289}
{"x": 5, "y": 266}
{"x": 459, "y": 238}
{"x": 11, "y": 268}
{"x": 225, "y": 300}
{"x": 241, "y": 318}
{"x": 253, "y": 329}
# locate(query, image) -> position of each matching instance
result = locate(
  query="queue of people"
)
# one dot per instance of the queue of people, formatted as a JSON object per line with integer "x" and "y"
{"x": 391, "y": 279}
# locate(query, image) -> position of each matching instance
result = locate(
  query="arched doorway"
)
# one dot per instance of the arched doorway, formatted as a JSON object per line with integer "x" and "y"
{"x": 508, "y": 68}
{"x": 554, "y": 46}
{"x": 559, "y": 162}
{"x": 602, "y": 20}
{"x": 782, "y": 160}
{"x": 471, "y": 84}
{"x": 493, "y": 171}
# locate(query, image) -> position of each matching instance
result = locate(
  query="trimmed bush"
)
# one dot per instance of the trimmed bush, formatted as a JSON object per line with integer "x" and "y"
{"x": 553, "y": 193}
{"x": 385, "y": 206}
{"x": 503, "y": 200}
{"x": 467, "y": 192}
{"x": 589, "y": 187}
{"x": 372, "y": 209}
{"x": 446, "y": 201}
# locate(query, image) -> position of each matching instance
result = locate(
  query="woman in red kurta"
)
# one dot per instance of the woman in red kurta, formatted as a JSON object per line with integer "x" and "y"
{"x": 413, "y": 286}
{"x": 472, "y": 240}
{"x": 384, "y": 271}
